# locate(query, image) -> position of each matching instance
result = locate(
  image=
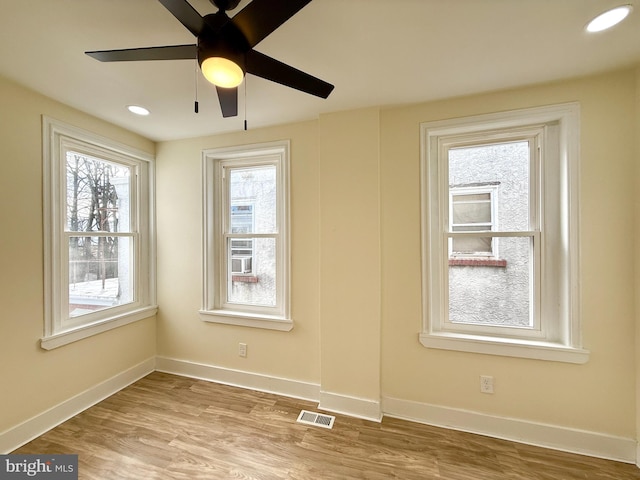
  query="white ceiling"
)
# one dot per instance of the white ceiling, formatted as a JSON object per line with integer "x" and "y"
{"x": 375, "y": 52}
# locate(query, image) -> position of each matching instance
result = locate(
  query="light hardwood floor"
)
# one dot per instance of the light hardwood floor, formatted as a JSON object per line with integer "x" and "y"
{"x": 170, "y": 427}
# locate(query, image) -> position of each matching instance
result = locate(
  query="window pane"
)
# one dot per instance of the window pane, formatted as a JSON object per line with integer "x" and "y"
{"x": 242, "y": 219}
{"x": 241, "y": 247}
{"x": 471, "y": 212}
{"x": 100, "y": 273}
{"x": 260, "y": 289}
{"x": 97, "y": 195}
{"x": 472, "y": 198}
{"x": 494, "y": 296}
{"x": 252, "y": 193}
{"x": 471, "y": 245}
{"x": 505, "y": 166}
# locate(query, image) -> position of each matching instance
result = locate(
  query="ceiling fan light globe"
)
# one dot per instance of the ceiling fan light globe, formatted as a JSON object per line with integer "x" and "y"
{"x": 222, "y": 72}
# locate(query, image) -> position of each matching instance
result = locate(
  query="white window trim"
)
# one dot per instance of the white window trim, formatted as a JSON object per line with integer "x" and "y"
{"x": 213, "y": 308}
{"x": 57, "y": 136}
{"x": 563, "y": 344}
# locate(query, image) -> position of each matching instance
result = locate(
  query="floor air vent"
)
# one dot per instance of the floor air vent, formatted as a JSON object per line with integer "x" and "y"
{"x": 317, "y": 419}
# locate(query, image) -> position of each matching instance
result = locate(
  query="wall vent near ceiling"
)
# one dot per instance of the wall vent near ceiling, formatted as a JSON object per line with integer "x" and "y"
{"x": 316, "y": 419}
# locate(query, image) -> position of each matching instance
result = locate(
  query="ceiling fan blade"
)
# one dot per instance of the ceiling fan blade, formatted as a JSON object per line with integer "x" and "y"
{"x": 172, "y": 52}
{"x": 261, "y": 17}
{"x": 186, "y": 15}
{"x": 269, "y": 68}
{"x": 228, "y": 98}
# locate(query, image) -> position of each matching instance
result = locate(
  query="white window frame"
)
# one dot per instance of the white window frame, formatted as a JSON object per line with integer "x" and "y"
{"x": 215, "y": 268}
{"x": 59, "y": 328}
{"x": 556, "y": 334}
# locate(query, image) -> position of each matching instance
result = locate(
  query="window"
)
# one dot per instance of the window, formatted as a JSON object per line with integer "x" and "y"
{"x": 246, "y": 248}
{"x": 501, "y": 190}
{"x": 241, "y": 249}
{"x": 472, "y": 209}
{"x": 98, "y": 247}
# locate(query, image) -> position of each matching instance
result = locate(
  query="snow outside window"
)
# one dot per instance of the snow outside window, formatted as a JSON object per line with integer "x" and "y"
{"x": 98, "y": 238}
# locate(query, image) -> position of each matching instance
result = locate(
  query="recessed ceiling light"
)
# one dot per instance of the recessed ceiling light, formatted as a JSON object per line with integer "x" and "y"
{"x": 138, "y": 110}
{"x": 609, "y": 18}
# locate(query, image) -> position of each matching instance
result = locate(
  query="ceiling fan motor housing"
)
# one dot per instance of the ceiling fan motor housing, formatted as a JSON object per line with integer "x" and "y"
{"x": 231, "y": 44}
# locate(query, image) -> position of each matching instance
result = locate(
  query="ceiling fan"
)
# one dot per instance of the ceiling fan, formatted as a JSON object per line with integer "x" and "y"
{"x": 225, "y": 47}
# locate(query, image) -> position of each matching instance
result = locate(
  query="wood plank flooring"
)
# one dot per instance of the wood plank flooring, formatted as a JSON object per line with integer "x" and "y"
{"x": 171, "y": 427}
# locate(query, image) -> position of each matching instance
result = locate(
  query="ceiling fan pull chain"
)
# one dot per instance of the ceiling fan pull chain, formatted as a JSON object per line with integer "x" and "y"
{"x": 195, "y": 105}
{"x": 245, "y": 103}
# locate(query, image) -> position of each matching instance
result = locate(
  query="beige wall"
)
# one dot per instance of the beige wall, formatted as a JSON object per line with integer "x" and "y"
{"x": 355, "y": 180}
{"x": 182, "y": 334}
{"x": 334, "y": 163}
{"x": 637, "y": 263}
{"x": 34, "y": 380}
{"x": 597, "y": 396}
{"x": 355, "y": 192}
{"x": 350, "y": 309}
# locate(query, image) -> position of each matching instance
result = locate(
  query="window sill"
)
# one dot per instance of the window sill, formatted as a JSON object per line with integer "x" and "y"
{"x": 505, "y": 347}
{"x": 228, "y": 317}
{"x": 477, "y": 262}
{"x": 69, "y": 336}
{"x": 244, "y": 278}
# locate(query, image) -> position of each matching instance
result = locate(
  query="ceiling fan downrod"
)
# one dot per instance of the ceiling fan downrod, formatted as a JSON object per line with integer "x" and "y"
{"x": 224, "y": 5}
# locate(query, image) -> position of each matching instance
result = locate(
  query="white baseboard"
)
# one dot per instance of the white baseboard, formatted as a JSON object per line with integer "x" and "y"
{"x": 548, "y": 436}
{"x": 355, "y": 407}
{"x": 352, "y": 406}
{"x": 238, "y": 378}
{"x": 26, "y": 431}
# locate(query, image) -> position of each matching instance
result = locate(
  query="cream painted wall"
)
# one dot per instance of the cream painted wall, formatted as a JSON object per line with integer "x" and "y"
{"x": 182, "y": 335}
{"x": 350, "y": 253}
{"x": 335, "y": 258}
{"x": 598, "y": 396}
{"x": 356, "y": 332}
{"x": 637, "y": 263}
{"x": 34, "y": 380}
{"x": 355, "y": 183}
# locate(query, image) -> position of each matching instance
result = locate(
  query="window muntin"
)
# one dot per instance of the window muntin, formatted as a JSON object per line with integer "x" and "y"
{"x": 98, "y": 234}
{"x": 546, "y": 323}
{"x": 246, "y": 254}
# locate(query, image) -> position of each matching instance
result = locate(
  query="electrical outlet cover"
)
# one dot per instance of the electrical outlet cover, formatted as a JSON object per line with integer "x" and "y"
{"x": 486, "y": 384}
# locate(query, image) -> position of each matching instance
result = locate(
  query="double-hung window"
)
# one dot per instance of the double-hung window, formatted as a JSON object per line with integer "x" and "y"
{"x": 98, "y": 238}
{"x": 502, "y": 191}
{"x": 246, "y": 247}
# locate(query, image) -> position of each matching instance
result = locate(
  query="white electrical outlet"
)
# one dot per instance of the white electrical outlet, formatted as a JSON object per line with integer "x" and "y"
{"x": 486, "y": 384}
{"x": 242, "y": 349}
